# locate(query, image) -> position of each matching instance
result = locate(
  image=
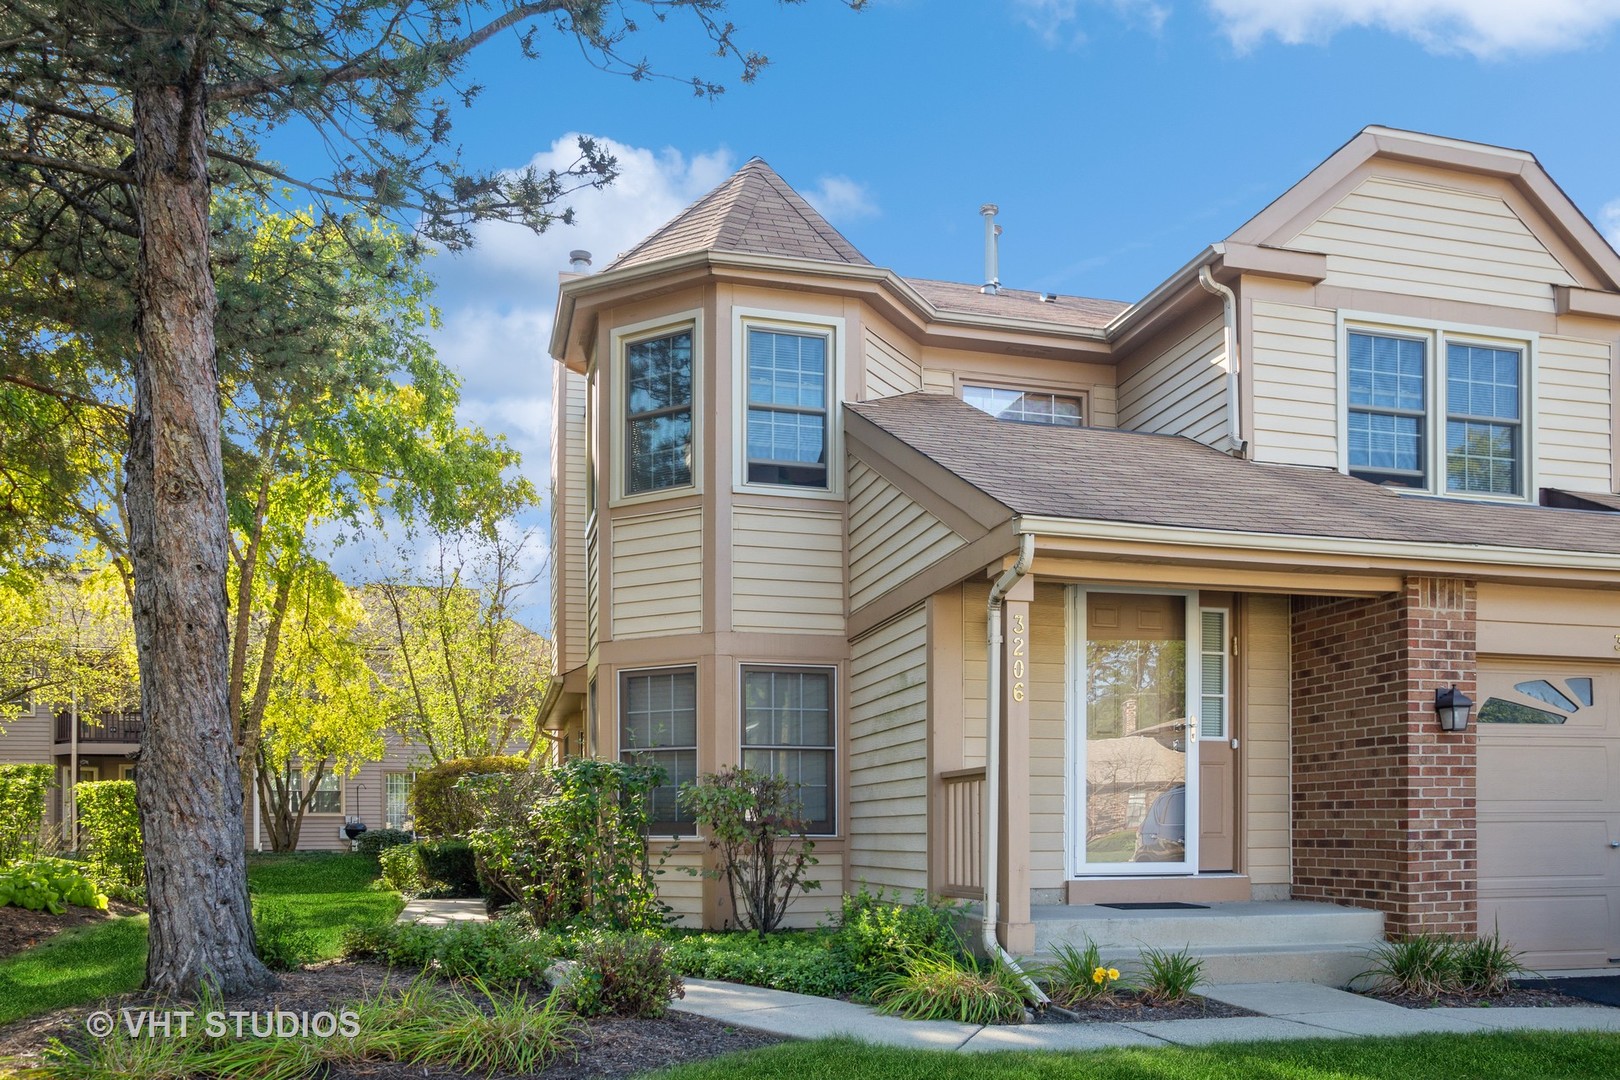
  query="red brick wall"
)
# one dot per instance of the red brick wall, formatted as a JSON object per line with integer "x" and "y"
{"x": 1383, "y": 800}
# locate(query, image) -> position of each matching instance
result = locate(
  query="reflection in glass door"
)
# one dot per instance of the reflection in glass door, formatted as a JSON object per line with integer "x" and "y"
{"x": 1137, "y": 734}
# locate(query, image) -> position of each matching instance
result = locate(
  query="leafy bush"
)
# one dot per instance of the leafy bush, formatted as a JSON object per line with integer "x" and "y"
{"x": 372, "y": 843}
{"x": 568, "y": 843}
{"x": 22, "y": 809}
{"x": 803, "y": 963}
{"x": 441, "y": 808}
{"x": 939, "y": 986}
{"x": 281, "y": 943}
{"x": 877, "y": 935}
{"x": 450, "y": 864}
{"x": 110, "y": 831}
{"x": 756, "y": 823}
{"x": 1169, "y": 978}
{"x": 48, "y": 885}
{"x": 622, "y": 975}
{"x": 1077, "y": 974}
{"x": 499, "y": 951}
{"x": 402, "y": 869}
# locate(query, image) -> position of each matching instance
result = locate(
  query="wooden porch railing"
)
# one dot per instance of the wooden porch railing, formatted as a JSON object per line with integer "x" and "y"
{"x": 962, "y": 842}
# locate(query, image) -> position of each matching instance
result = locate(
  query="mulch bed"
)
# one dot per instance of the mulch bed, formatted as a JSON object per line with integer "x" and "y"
{"x": 1127, "y": 1007}
{"x": 1516, "y": 998}
{"x": 613, "y": 1046}
{"x": 23, "y": 929}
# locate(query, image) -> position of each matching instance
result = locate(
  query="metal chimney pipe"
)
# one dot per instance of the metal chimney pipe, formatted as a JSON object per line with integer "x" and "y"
{"x": 992, "y": 261}
{"x": 579, "y": 261}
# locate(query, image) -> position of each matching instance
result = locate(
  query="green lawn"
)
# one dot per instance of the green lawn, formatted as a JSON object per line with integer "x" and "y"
{"x": 321, "y": 896}
{"x": 1511, "y": 1056}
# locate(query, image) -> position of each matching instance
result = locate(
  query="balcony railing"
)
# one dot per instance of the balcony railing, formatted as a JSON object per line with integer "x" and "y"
{"x": 102, "y": 729}
{"x": 962, "y": 844}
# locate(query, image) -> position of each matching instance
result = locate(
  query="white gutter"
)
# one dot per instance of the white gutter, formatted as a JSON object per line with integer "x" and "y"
{"x": 992, "y": 768}
{"x": 1234, "y": 405}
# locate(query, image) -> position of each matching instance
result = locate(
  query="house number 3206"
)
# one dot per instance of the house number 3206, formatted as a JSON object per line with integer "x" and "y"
{"x": 1017, "y": 648}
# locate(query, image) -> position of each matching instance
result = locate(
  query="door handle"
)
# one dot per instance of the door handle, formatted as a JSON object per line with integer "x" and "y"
{"x": 1614, "y": 843}
{"x": 1234, "y": 744}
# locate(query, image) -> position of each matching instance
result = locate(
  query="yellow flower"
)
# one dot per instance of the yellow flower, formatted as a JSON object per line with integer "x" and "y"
{"x": 1113, "y": 973}
{"x": 1098, "y": 976}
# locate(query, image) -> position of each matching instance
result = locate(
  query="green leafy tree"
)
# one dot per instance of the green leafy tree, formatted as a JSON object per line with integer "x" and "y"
{"x": 464, "y": 676}
{"x": 66, "y": 643}
{"x": 118, "y": 121}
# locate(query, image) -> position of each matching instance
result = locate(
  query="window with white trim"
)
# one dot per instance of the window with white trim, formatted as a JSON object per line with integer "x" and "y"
{"x": 658, "y": 725}
{"x": 1441, "y": 412}
{"x": 789, "y": 374}
{"x": 397, "y": 800}
{"x": 1027, "y": 406}
{"x": 658, "y": 413}
{"x": 1215, "y": 679}
{"x": 787, "y": 731}
{"x": 328, "y": 792}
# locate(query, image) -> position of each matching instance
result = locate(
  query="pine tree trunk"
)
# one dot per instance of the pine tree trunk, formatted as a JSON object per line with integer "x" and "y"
{"x": 189, "y": 786}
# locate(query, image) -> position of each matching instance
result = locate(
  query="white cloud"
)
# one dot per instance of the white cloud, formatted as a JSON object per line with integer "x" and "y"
{"x": 1609, "y": 222}
{"x": 1485, "y": 28}
{"x": 1058, "y": 22}
{"x": 841, "y": 199}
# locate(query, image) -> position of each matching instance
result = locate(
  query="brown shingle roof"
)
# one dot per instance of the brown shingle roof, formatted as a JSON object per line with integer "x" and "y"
{"x": 754, "y": 211}
{"x": 1018, "y": 304}
{"x": 1106, "y": 475}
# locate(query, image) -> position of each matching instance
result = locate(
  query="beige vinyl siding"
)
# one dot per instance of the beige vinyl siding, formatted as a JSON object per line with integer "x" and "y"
{"x": 787, "y": 570}
{"x": 975, "y": 680}
{"x": 1572, "y": 437}
{"x": 1265, "y": 659}
{"x": 1425, "y": 240}
{"x": 1521, "y": 620}
{"x": 891, "y": 537}
{"x": 938, "y": 381}
{"x": 814, "y": 907}
{"x": 1047, "y": 733}
{"x": 889, "y": 371}
{"x": 1182, "y": 390}
{"x": 568, "y": 519}
{"x": 593, "y": 590}
{"x": 888, "y": 754}
{"x": 29, "y": 740}
{"x": 1293, "y": 364}
{"x": 678, "y": 887}
{"x": 657, "y": 574}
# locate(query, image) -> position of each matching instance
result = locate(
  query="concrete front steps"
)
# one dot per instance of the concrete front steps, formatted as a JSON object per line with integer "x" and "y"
{"x": 1239, "y": 942}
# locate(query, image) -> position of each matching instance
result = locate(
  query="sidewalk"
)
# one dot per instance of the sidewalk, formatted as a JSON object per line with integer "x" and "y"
{"x": 1290, "y": 1011}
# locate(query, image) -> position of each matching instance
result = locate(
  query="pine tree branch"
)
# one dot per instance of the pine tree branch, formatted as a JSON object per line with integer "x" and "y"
{"x": 55, "y": 164}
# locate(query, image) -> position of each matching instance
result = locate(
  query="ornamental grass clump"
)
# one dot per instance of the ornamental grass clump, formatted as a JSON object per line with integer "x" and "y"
{"x": 1169, "y": 978}
{"x": 938, "y": 986}
{"x": 1429, "y": 965}
{"x": 1077, "y": 975}
{"x": 1487, "y": 965}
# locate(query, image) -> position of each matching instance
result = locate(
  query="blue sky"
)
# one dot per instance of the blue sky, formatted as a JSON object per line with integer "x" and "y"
{"x": 1119, "y": 137}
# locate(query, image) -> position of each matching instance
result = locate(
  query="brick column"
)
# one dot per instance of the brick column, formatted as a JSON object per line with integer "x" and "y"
{"x": 1383, "y": 800}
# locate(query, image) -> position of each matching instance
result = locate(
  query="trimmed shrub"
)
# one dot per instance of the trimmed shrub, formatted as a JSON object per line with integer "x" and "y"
{"x": 450, "y": 864}
{"x": 402, "y": 871}
{"x": 443, "y": 810}
{"x": 372, "y": 843}
{"x": 48, "y": 885}
{"x": 878, "y": 935}
{"x": 22, "y": 809}
{"x": 754, "y": 820}
{"x": 622, "y": 975}
{"x": 110, "y": 835}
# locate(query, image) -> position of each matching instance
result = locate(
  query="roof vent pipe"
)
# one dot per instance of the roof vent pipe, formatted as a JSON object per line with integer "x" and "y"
{"x": 579, "y": 261}
{"x": 992, "y": 262}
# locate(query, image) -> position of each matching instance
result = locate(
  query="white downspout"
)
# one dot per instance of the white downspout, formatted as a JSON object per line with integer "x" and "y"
{"x": 1234, "y": 403}
{"x": 992, "y": 768}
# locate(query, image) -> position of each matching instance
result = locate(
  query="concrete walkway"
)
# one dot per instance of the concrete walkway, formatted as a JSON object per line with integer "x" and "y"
{"x": 443, "y": 912}
{"x": 1290, "y": 1011}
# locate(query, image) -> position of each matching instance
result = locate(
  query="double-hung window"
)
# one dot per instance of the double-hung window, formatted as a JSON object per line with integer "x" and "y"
{"x": 789, "y": 377}
{"x": 396, "y": 800}
{"x": 658, "y": 725}
{"x": 1027, "y": 406}
{"x": 328, "y": 792}
{"x": 658, "y": 413}
{"x": 1439, "y": 412}
{"x": 788, "y": 731}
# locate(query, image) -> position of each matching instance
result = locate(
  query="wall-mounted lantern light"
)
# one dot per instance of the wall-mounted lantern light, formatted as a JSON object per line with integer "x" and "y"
{"x": 1453, "y": 707}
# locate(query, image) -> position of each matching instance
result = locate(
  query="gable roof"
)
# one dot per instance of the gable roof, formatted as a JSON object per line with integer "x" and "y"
{"x": 1100, "y": 474}
{"x": 753, "y": 211}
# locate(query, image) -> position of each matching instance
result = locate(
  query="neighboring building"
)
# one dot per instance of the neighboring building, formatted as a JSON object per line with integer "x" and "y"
{"x": 1359, "y": 451}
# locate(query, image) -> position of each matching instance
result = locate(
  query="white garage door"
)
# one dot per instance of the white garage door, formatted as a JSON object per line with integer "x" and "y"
{"x": 1549, "y": 809}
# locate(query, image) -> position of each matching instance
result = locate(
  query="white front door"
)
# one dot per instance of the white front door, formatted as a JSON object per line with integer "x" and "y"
{"x": 1134, "y": 732}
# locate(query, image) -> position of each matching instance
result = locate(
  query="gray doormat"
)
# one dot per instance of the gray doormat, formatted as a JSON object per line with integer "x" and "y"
{"x": 1167, "y": 906}
{"x": 1603, "y": 989}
